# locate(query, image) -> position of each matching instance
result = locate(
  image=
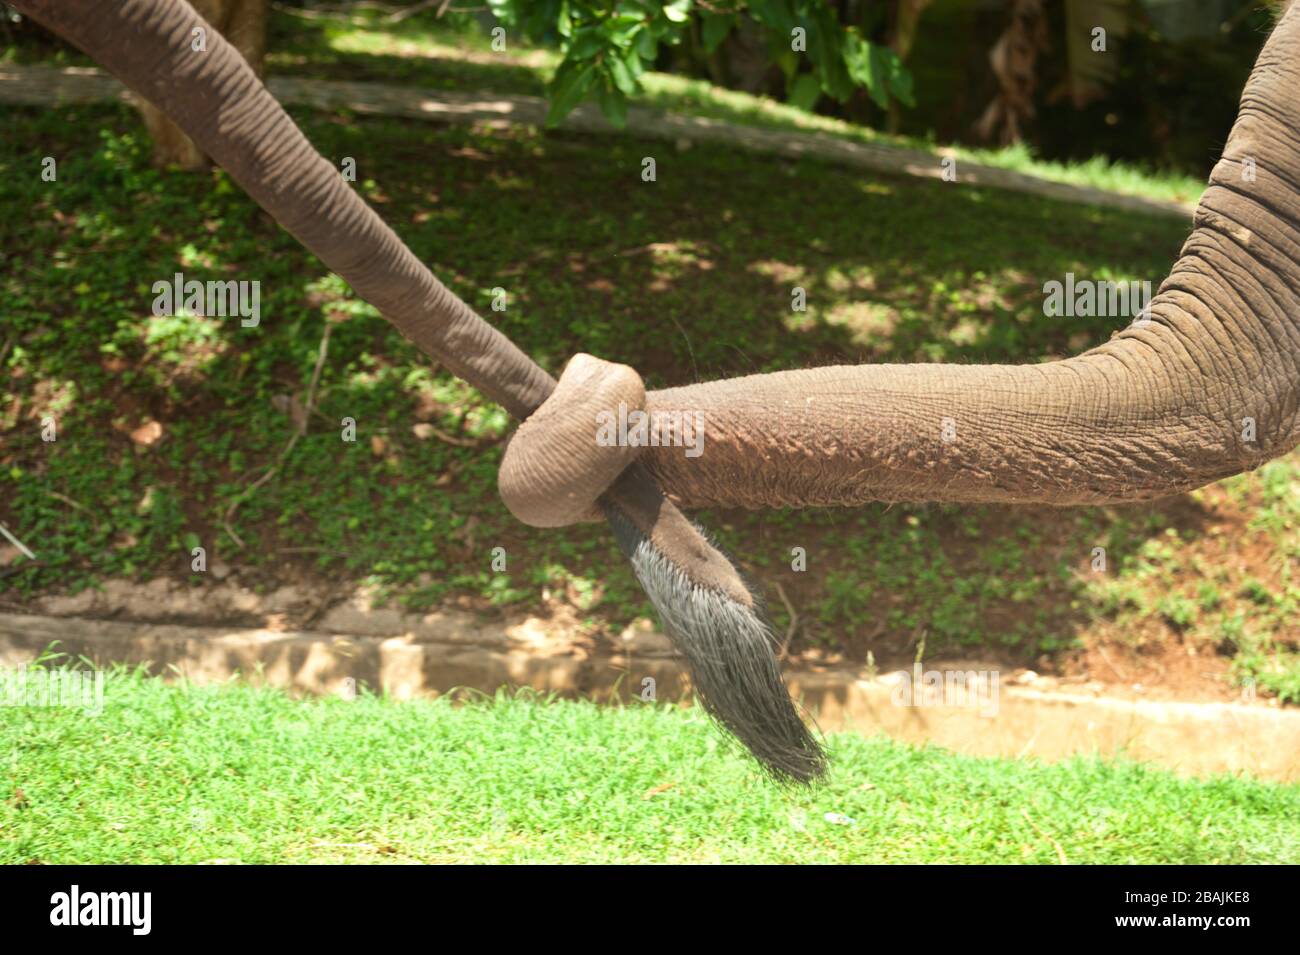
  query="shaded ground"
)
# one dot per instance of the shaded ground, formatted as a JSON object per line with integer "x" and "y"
{"x": 164, "y": 423}
{"x": 48, "y": 85}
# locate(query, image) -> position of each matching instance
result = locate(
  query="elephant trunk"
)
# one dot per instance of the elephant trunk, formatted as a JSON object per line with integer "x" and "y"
{"x": 174, "y": 59}
{"x": 169, "y": 55}
{"x": 1203, "y": 386}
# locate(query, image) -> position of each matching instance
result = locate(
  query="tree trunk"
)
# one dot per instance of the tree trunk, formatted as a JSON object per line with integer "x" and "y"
{"x": 243, "y": 24}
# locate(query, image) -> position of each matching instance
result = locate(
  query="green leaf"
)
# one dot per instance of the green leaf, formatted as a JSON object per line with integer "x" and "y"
{"x": 775, "y": 15}
{"x": 679, "y": 11}
{"x": 633, "y": 61}
{"x": 829, "y": 45}
{"x": 782, "y": 56}
{"x": 586, "y": 44}
{"x": 646, "y": 46}
{"x": 621, "y": 75}
{"x": 613, "y": 104}
{"x": 621, "y": 29}
{"x": 805, "y": 91}
{"x": 716, "y": 26}
{"x": 878, "y": 69}
{"x": 572, "y": 80}
{"x": 900, "y": 84}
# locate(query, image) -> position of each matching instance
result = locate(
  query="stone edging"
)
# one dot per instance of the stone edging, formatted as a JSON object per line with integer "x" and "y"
{"x": 1190, "y": 738}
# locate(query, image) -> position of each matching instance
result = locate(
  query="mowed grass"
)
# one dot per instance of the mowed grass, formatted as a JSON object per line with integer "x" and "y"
{"x": 189, "y": 774}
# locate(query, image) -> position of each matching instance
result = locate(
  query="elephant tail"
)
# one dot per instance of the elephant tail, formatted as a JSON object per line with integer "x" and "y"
{"x": 726, "y": 639}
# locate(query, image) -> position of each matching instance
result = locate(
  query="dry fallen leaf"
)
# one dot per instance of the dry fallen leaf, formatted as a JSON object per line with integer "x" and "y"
{"x": 293, "y": 407}
{"x": 148, "y": 434}
{"x": 125, "y": 541}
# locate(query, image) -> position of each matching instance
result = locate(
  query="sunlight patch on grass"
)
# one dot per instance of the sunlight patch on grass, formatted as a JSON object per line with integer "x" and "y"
{"x": 185, "y": 774}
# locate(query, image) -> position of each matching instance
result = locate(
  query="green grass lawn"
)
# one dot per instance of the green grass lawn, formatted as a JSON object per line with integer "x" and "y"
{"x": 181, "y": 773}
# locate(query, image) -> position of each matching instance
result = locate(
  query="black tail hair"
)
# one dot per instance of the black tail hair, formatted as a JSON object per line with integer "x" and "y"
{"x": 730, "y": 651}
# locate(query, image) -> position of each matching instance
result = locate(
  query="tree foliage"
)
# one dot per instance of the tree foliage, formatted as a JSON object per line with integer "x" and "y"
{"x": 608, "y": 44}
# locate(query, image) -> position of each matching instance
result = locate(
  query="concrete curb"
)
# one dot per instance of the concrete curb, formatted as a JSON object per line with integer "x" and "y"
{"x": 1194, "y": 739}
{"x": 45, "y": 86}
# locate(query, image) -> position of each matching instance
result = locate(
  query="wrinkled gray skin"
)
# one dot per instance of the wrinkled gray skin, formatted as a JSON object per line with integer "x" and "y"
{"x": 1157, "y": 410}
